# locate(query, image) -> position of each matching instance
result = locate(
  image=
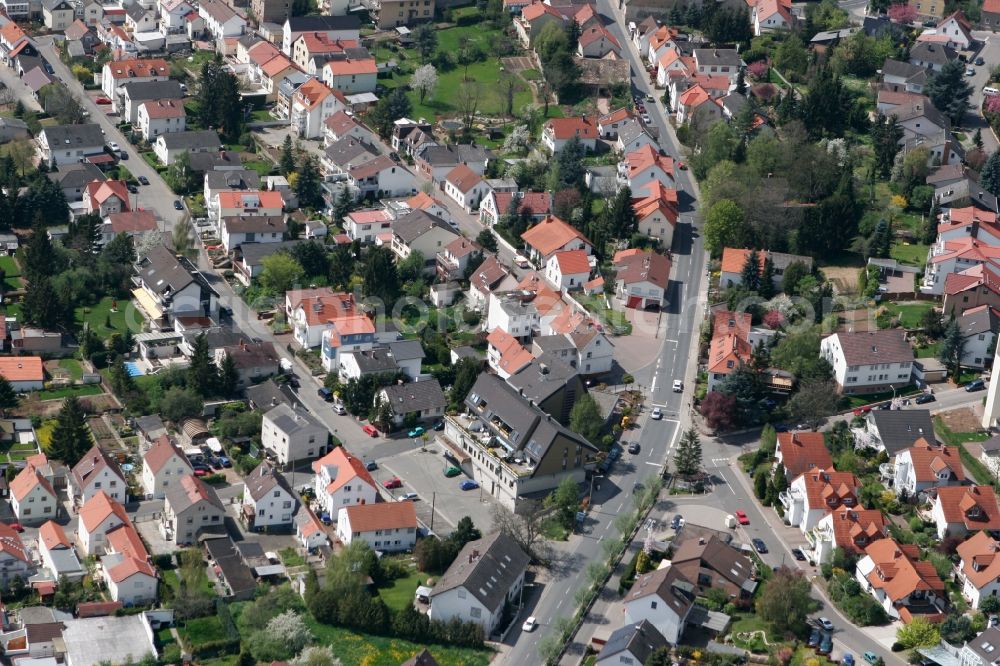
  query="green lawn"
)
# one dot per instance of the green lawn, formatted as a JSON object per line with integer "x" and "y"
{"x": 99, "y": 315}
{"x": 910, "y": 314}
{"x": 171, "y": 580}
{"x": 615, "y": 319}
{"x": 73, "y": 367}
{"x": 262, "y": 167}
{"x": 357, "y": 648}
{"x": 12, "y": 272}
{"x": 202, "y": 630}
{"x": 261, "y": 116}
{"x": 66, "y": 391}
{"x": 291, "y": 558}
{"x": 930, "y": 351}
{"x": 910, "y": 254}
{"x": 400, "y": 593}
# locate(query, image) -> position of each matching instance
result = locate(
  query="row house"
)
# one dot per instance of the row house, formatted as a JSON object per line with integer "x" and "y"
{"x": 974, "y": 287}
{"x": 313, "y": 311}
{"x": 851, "y": 529}
{"x": 924, "y": 466}
{"x": 979, "y": 568}
{"x": 535, "y": 205}
{"x": 900, "y": 582}
{"x": 959, "y": 510}
{"x": 816, "y": 493}
{"x": 342, "y": 27}
{"x": 118, "y": 72}
{"x": 134, "y": 94}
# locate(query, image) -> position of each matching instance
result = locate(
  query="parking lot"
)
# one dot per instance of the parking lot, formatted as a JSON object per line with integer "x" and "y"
{"x": 422, "y": 472}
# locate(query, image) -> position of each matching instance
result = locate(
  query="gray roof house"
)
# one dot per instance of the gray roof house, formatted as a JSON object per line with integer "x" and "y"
{"x": 217, "y": 160}
{"x": 979, "y": 326}
{"x": 268, "y": 501}
{"x": 342, "y": 156}
{"x": 981, "y": 650}
{"x": 68, "y": 144}
{"x": 135, "y": 93}
{"x": 966, "y": 192}
{"x": 894, "y": 430}
{"x": 631, "y": 644}
{"x": 168, "y": 146}
{"x": 292, "y": 434}
{"x": 415, "y": 400}
{"x": 487, "y": 573}
{"x": 266, "y": 395}
{"x": 73, "y": 178}
{"x": 550, "y": 383}
{"x": 931, "y": 55}
{"x": 12, "y": 128}
{"x": 190, "y": 508}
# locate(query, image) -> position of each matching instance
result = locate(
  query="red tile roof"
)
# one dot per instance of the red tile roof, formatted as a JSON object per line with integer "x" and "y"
{"x": 582, "y": 127}
{"x": 802, "y": 451}
{"x": 164, "y": 108}
{"x": 382, "y": 516}
{"x": 929, "y": 460}
{"x": 22, "y": 368}
{"x": 348, "y": 468}
{"x": 136, "y": 68}
{"x": 974, "y": 507}
{"x": 855, "y": 528}
{"x": 899, "y": 572}
{"x": 26, "y": 481}
{"x": 551, "y": 234}
{"x": 98, "y": 508}
{"x": 463, "y": 178}
{"x": 161, "y": 452}
{"x": 572, "y": 262}
{"x": 645, "y": 267}
{"x": 53, "y": 536}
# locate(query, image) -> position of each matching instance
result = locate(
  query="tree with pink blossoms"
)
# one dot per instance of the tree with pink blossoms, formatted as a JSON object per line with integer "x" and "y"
{"x": 758, "y": 69}
{"x": 902, "y": 13}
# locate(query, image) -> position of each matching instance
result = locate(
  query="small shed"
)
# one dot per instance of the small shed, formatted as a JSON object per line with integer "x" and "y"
{"x": 194, "y": 432}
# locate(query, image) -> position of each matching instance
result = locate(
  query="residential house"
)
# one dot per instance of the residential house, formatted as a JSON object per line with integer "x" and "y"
{"x": 714, "y": 564}
{"x": 802, "y": 451}
{"x": 552, "y": 235}
{"x": 57, "y": 14}
{"x": 419, "y": 231}
{"x": 73, "y": 179}
{"x": 191, "y": 507}
{"x": 979, "y": 328}
{"x": 160, "y": 117}
{"x": 656, "y": 212}
{"x": 664, "y": 598}
{"x": 221, "y": 20}
{"x": 869, "y": 361}
{"x": 409, "y": 356}
{"x": 134, "y": 94}
{"x": 170, "y": 286}
{"x": 133, "y": 70}
{"x": 490, "y": 275}
{"x": 899, "y": 581}
{"x": 816, "y": 493}
{"x": 557, "y": 131}
{"x": 172, "y": 13}
{"x": 387, "y": 527}
{"x": 310, "y": 312}
{"x": 505, "y": 355}
{"x": 344, "y": 337}
{"x": 594, "y": 351}
{"x": 309, "y": 531}
{"x": 568, "y": 269}
{"x": 414, "y": 401}
{"x": 536, "y": 452}
{"x": 134, "y": 223}
{"x": 456, "y": 258}
{"x": 989, "y": 17}
{"x": 68, "y": 144}
{"x": 269, "y": 503}
{"x": 365, "y": 362}
{"x": 24, "y": 373}
{"x": 163, "y": 465}
{"x": 734, "y": 260}
{"x": 333, "y": 27}
{"x": 894, "y": 431}
{"x": 903, "y": 76}
{"x": 15, "y": 560}
{"x": 920, "y": 120}
{"x": 99, "y": 515}
{"x": 465, "y": 187}
{"x": 106, "y": 197}
{"x": 341, "y": 479}
{"x": 57, "y": 553}
{"x": 924, "y": 466}
{"x": 139, "y": 18}
{"x": 126, "y": 568}
{"x": 631, "y": 644}
{"x": 351, "y": 75}
{"x": 292, "y": 434}
{"x": 254, "y": 361}
{"x": 389, "y": 14}
{"x": 168, "y": 146}
{"x": 537, "y": 205}
{"x": 718, "y": 61}
{"x": 771, "y": 15}
{"x": 957, "y": 29}
{"x": 401, "y": 131}
{"x": 850, "y": 528}
{"x": 341, "y": 156}
{"x": 931, "y": 56}
{"x": 239, "y": 230}
{"x": 979, "y": 568}
{"x": 436, "y": 162}
{"x": 486, "y": 576}
{"x": 342, "y": 125}
{"x": 610, "y": 124}
{"x": 632, "y": 136}
{"x": 312, "y": 103}
{"x": 96, "y": 472}
{"x": 642, "y": 279}
{"x": 644, "y": 166}
{"x": 32, "y": 498}
{"x": 990, "y": 454}
{"x": 958, "y": 510}
{"x": 236, "y": 180}
{"x": 597, "y": 42}
{"x": 549, "y": 382}
{"x": 249, "y": 203}
{"x": 697, "y": 104}
{"x": 381, "y": 177}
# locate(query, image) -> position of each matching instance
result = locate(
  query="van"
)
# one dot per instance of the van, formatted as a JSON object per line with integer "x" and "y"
{"x": 990, "y": 91}
{"x": 325, "y": 393}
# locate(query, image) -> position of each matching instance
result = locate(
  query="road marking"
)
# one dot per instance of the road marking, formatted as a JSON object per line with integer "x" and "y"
{"x": 620, "y": 507}
{"x": 559, "y": 604}
{"x": 654, "y": 464}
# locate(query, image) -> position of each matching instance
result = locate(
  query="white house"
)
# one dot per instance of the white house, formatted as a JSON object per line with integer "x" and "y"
{"x": 979, "y": 568}
{"x": 422, "y": 401}
{"x": 979, "y": 326}
{"x": 309, "y": 531}
{"x": 310, "y": 312}
{"x": 341, "y": 479}
{"x": 221, "y": 20}
{"x": 465, "y": 187}
{"x": 893, "y": 574}
{"x": 486, "y": 575}
{"x": 958, "y": 510}
{"x": 126, "y": 569}
{"x": 979, "y": 651}
{"x": 869, "y": 361}
{"x": 381, "y": 177}
{"x": 924, "y": 466}
{"x": 558, "y": 131}
{"x": 97, "y": 472}
{"x": 190, "y": 508}
{"x": 312, "y": 104}
{"x": 238, "y": 230}
{"x": 168, "y": 146}
{"x": 957, "y": 29}
{"x": 57, "y": 552}
{"x": 851, "y": 529}
{"x": 25, "y": 373}
{"x": 69, "y": 144}
{"x": 553, "y": 235}
{"x": 292, "y": 434}
{"x": 15, "y": 559}
{"x": 664, "y": 598}
{"x": 32, "y": 497}
{"x": 388, "y": 527}
{"x": 163, "y": 465}
{"x": 133, "y": 70}
{"x": 771, "y": 15}
{"x": 568, "y": 269}
{"x": 814, "y": 494}
{"x": 172, "y": 13}
{"x": 350, "y": 76}
{"x": 98, "y": 516}
{"x": 631, "y": 644}
{"x": 160, "y": 117}
{"x": 268, "y": 501}
{"x": 641, "y": 278}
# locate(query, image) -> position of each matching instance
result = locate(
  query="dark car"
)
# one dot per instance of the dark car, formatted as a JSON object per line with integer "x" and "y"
{"x": 759, "y": 545}
{"x": 633, "y": 448}
{"x": 226, "y": 462}
{"x": 815, "y": 637}
{"x": 132, "y": 188}
{"x": 178, "y": 205}
{"x": 980, "y": 62}
{"x": 676, "y": 523}
{"x": 143, "y": 180}
{"x": 215, "y": 463}
{"x": 798, "y": 555}
{"x": 371, "y": 466}
{"x": 924, "y": 398}
{"x": 825, "y": 644}
{"x": 325, "y": 393}
{"x": 975, "y": 385}
{"x": 438, "y": 425}
{"x": 615, "y": 452}
{"x": 780, "y": 427}
{"x": 884, "y": 406}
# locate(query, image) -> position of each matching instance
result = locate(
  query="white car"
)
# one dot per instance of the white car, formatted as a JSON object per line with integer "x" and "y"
{"x": 529, "y": 624}
{"x": 408, "y": 497}
{"x": 825, "y": 623}
{"x": 521, "y": 261}
{"x": 113, "y": 145}
{"x": 656, "y": 414}
{"x": 646, "y": 119}
{"x": 678, "y": 386}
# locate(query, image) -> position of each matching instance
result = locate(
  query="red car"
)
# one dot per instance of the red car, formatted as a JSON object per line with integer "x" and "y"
{"x": 741, "y": 517}
{"x": 370, "y": 430}
{"x": 103, "y": 100}
{"x": 200, "y": 472}
{"x": 861, "y": 411}
{"x": 394, "y": 482}
{"x": 17, "y": 527}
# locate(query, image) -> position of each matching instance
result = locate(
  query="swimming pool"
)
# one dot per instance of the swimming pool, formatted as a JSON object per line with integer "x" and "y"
{"x": 133, "y": 369}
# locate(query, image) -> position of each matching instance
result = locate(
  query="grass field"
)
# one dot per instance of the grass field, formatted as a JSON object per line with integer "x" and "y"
{"x": 400, "y": 593}
{"x": 910, "y": 314}
{"x": 290, "y": 558}
{"x": 201, "y": 630}
{"x": 99, "y": 315}
{"x": 66, "y": 391}
{"x": 910, "y": 254}
{"x": 73, "y": 367}
{"x": 357, "y": 648}
{"x": 12, "y": 272}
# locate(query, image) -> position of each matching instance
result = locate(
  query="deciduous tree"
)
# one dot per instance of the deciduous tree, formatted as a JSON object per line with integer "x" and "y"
{"x": 585, "y": 417}
{"x": 785, "y": 601}
{"x": 424, "y": 81}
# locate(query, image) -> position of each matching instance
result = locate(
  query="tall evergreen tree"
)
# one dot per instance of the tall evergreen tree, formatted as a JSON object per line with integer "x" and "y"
{"x": 228, "y": 377}
{"x": 621, "y": 214}
{"x": 952, "y": 348}
{"x": 949, "y": 91}
{"x": 8, "y": 396}
{"x": 750, "y": 275}
{"x": 42, "y": 305}
{"x": 766, "y": 287}
{"x": 286, "y": 163}
{"x": 977, "y": 139}
{"x": 989, "y": 178}
{"x": 380, "y": 275}
{"x": 687, "y": 460}
{"x": 741, "y": 82}
{"x": 308, "y": 186}
{"x": 70, "y": 438}
{"x": 886, "y": 133}
{"x": 201, "y": 372}
{"x": 39, "y": 255}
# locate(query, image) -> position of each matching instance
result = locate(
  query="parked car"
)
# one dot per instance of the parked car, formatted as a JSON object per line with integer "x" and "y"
{"x": 814, "y": 637}
{"x": 798, "y": 555}
{"x": 780, "y": 427}
{"x": 103, "y": 100}
{"x": 656, "y": 414}
{"x": 200, "y": 471}
{"x": 759, "y": 545}
{"x": 825, "y": 623}
{"x": 975, "y": 385}
{"x": 741, "y": 517}
{"x": 924, "y": 398}
{"x": 394, "y": 482}
{"x": 143, "y": 180}
{"x": 416, "y": 432}
{"x": 132, "y": 188}
{"x": 408, "y": 497}
{"x": 438, "y": 425}
{"x": 521, "y": 261}
{"x": 970, "y": 71}
{"x": 529, "y": 624}
{"x": 861, "y": 411}
{"x": 678, "y": 386}
{"x": 848, "y": 660}
{"x": 633, "y": 448}
{"x": 325, "y": 393}
{"x": 339, "y": 409}
{"x": 370, "y": 430}
{"x": 226, "y": 462}
{"x": 178, "y": 205}
{"x": 113, "y": 145}
{"x": 17, "y": 527}
{"x": 615, "y": 452}
{"x": 825, "y": 644}
{"x": 451, "y": 471}
{"x": 677, "y": 522}
{"x": 371, "y": 466}
{"x": 979, "y": 61}
{"x": 468, "y": 484}
{"x": 871, "y": 657}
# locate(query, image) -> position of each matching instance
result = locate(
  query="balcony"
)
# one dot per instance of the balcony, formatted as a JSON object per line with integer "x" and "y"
{"x": 491, "y": 447}
{"x": 887, "y": 471}
{"x": 448, "y": 268}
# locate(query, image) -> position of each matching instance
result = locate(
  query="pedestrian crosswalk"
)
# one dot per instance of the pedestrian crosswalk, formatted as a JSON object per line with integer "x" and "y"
{"x": 720, "y": 462}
